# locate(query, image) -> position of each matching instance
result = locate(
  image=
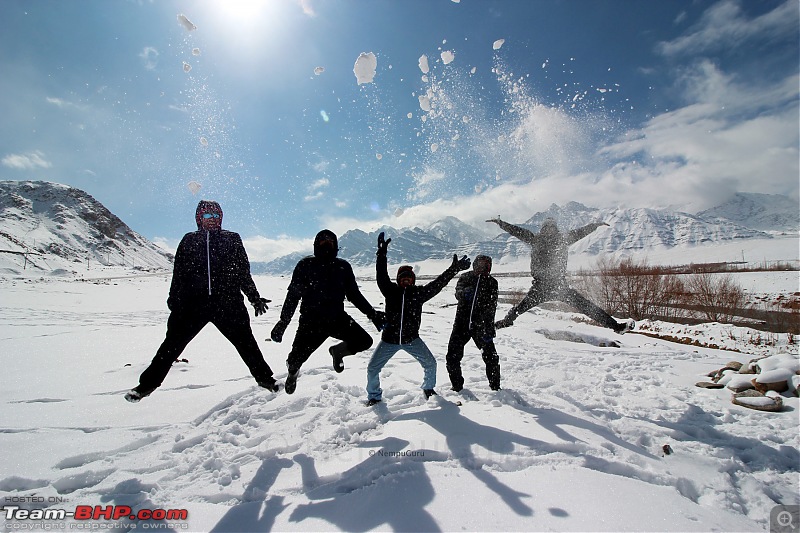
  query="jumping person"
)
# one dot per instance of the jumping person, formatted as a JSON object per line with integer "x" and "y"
{"x": 210, "y": 273}
{"x": 549, "y": 251}
{"x": 404, "y": 300}
{"x": 476, "y": 292}
{"x": 320, "y": 283}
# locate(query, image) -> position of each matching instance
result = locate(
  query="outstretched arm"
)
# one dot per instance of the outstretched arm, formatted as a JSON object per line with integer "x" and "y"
{"x": 519, "y": 232}
{"x": 578, "y": 234}
{"x": 435, "y": 287}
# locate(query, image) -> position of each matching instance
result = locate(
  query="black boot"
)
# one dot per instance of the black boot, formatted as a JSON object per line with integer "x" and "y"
{"x": 339, "y": 352}
{"x": 291, "y": 383}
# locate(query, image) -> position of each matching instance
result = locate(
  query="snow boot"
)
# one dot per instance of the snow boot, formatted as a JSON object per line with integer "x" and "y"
{"x": 136, "y": 394}
{"x": 371, "y": 402}
{"x": 339, "y": 352}
{"x": 269, "y": 384}
{"x": 624, "y": 327}
{"x": 429, "y": 393}
{"x": 504, "y": 323}
{"x": 291, "y": 383}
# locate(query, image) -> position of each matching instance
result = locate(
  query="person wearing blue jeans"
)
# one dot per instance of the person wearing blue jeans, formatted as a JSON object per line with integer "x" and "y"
{"x": 404, "y": 300}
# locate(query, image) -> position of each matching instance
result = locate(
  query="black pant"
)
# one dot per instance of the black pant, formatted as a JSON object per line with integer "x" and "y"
{"x": 184, "y": 325}
{"x": 537, "y": 295}
{"x": 455, "y": 353}
{"x": 313, "y": 331}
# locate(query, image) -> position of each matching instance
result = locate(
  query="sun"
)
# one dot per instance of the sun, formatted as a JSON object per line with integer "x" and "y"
{"x": 243, "y": 10}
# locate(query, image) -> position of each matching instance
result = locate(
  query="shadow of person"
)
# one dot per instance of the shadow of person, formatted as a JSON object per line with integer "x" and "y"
{"x": 555, "y": 421}
{"x": 257, "y": 512}
{"x": 461, "y": 434}
{"x": 392, "y": 491}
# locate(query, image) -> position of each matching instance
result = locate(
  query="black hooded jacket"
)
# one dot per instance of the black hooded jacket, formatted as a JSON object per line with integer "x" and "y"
{"x": 477, "y": 303}
{"x": 404, "y": 305}
{"x": 211, "y": 267}
{"x": 320, "y": 283}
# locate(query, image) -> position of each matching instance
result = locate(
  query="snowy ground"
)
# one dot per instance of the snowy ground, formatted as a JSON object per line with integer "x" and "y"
{"x": 573, "y": 442}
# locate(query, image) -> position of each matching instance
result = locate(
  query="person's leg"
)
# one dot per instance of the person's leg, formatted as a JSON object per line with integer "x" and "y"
{"x": 383, "y": 352}
{"x": 354, "y": 339}
{"x": 534, "y": 297}
{"x": 455, "y": 353}
{"x": 234, "y": 323}
{"x": 182, "y": 327}
{"x": 490, "y": 358}
{"x": 419, "y": 351}
{"x": 575, "y": 299}
{"x": 310, "y": 336}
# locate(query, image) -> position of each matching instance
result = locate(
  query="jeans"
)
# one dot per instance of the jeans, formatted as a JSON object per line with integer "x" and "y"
{"x": 385, "y": 351}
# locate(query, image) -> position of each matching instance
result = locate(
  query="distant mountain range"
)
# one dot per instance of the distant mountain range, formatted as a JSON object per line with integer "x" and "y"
{"x": 48, "y": 227}
{"x": 53, "y": 226}
{"x": 747, "y": 216}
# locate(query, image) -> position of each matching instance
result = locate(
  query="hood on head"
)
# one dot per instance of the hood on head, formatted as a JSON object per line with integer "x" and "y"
{"x": 207, "y": 206}
{"x": 406, "y": 271}
{"x": 482, "y": 264}
{"x": 326, "y": 244}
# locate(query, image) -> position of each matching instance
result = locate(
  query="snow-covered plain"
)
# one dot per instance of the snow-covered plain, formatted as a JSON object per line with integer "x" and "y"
{"x": 574, "y": 441}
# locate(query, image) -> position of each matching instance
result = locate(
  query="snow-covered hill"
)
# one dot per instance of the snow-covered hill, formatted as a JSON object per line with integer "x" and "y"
{"x": 768, "y": 212}
{"x": 48, "y": 227}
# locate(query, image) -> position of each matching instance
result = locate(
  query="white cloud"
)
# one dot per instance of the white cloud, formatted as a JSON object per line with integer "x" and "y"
{"x": 724, "y": 25}
{"x": 29, "y": 161}
{"x": 261, "y": 248}
{"x": 319, "y": 184}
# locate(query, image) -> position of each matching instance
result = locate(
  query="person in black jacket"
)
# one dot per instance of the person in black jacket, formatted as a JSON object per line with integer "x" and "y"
{"x": 476, "y": 293}
{"x": 210, "y": 273}
{"x": 549, "y": 251}
{"x": 320, "y": 283}
{"x": 404, "y": 300}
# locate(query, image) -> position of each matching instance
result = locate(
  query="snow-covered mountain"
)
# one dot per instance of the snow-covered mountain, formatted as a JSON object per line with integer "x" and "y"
{"x": 48, "y": 226}
{"x": 768, "y": 212}
{"x": 629, "y": 231}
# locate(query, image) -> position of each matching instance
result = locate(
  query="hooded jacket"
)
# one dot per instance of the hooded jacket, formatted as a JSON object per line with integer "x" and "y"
{"x": 549, "y": 250}
{"x": 320, "y": 283}
{"x": 211, "y": 267}
{"x": 404, "y": 304}
{"x": 477, "y": 303}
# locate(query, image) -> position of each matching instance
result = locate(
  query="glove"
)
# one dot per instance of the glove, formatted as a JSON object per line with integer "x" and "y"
{"x": 278, "y": 331}
{"x": 495, "y": 220}
{"x": 260, "y": 305}
{"x": 487, "y": 339}
{"x": 461, "y": 264}
{"x": 383, "y": 245}
{"x": 379, "y": 318}
{"x": 504, "y": 323}
{"x": 468, "y": 294}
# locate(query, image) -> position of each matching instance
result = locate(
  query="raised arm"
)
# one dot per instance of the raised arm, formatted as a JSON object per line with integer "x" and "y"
{"x": 578, "y": 234}
{"x": 519, "y": 232}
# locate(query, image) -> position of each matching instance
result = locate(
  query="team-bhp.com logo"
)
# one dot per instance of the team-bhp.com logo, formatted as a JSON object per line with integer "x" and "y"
{"x": 93, "y": 513}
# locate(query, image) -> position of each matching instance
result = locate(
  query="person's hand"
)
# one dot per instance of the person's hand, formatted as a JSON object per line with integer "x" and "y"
{"x": 495, "y": 220}
{"x": 260, "y": 305}
{"x": 383, "y": 245}
{"x": 278, "y": 331}
{"x": 461, "y": 264}
{"x": 379, "y": 319}
{"x": 468, "y": 294}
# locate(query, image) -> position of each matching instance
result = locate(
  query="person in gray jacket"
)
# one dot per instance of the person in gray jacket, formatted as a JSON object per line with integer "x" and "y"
{"x": 549, "y": 251}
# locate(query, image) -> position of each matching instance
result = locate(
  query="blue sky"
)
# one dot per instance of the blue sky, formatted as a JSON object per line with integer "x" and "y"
{"x": 606, "y": 102}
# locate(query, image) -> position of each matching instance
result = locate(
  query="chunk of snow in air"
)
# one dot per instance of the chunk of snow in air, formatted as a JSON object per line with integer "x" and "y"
{"x": 448, "y": 57}
{"x": 423, "y": 64}
{"x": 186, "y": 67}
{"x": 424, "y": 103}
{"x": 319, "y": 70}
{"x": 203, "y": 141}
{"x": 498, "y": 44}
{"x": 195, "y": 51}
{"x": 186, "y": 23}
{"x": 365, "y": 67}
{"x": 194, "y": 186}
